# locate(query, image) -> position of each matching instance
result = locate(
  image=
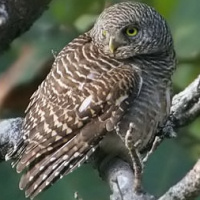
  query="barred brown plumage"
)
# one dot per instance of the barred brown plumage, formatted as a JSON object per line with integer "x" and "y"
{"x": 96, "y": 82}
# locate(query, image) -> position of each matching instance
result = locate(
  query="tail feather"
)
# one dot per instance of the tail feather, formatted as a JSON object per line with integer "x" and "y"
{"x": 55, "y": 165}
{"x": 42, "y": 164}
{"x": 47, "y": 159}
{"x": 41, "y": 182}
{"x": 34, "y": 151}
{"x": 62, "y": 169}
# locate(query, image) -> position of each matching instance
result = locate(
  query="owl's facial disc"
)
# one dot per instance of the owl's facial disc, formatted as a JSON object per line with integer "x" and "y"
{"x": 121, "y": 37}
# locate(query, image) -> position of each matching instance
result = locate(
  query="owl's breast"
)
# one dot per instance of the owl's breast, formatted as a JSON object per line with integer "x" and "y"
{"x": 146, "y": 113}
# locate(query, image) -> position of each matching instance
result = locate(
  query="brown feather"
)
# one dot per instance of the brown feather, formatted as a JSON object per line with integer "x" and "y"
{"x": 71, "y": 112}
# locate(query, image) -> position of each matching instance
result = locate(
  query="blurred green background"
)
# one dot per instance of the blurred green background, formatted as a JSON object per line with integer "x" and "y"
{"x": 28, "y": 61}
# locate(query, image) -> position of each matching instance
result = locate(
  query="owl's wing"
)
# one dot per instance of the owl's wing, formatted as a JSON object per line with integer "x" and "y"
{"x": 67, "y": 118}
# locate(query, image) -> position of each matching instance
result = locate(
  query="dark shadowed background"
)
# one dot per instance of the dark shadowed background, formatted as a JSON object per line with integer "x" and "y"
{"x": 26, "y": 63}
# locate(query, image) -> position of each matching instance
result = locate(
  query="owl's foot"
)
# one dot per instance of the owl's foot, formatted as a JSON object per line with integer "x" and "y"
{"x": 136, "y": 159}
{"x": 154, "y": 146}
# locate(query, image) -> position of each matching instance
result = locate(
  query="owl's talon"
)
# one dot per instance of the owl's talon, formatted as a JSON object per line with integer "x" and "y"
{"x": 154, "y": 146}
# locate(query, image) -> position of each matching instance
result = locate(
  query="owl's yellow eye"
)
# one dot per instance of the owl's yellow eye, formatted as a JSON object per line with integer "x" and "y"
{"x": 104, "y": 32}
{"x": 131, "y": 31}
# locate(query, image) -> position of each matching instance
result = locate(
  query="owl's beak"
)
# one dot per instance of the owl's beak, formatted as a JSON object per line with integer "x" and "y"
{"x": 113, "y": 44}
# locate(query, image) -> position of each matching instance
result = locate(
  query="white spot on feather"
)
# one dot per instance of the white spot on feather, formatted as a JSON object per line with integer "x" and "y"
{"x": 35, "y": 186}
{"x": 85, "y": 103}
{"x": 53, "y": 133}
{"x": 109, "y": 96}
{"x": 47, "y": 183}
{"x": 58, "y": 124}
{"x": 66, "y": 163}
{"x": 57, "y": 138}
{"x": 64, "y": 127}
{"x": 69, "y": 130}
{"x": 54, "y": 166}
{"x": 121, "y": 99}
{"x": 92, "y": 75}
{"x": 46, "y": 128}
{"x": 81, "y": 86}
{"x": 56, "y": 173}
{"x": 52, "y": 159}
{"x": 38, "y": 155}
{"x": 49, "y": 148}
{"x": 65, "y": 157}
{"x": 76, "y": 154}
{"x": 44, "y": 177}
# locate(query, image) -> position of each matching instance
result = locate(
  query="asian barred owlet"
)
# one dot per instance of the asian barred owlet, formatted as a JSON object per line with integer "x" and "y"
{"x": 116, "y": 73}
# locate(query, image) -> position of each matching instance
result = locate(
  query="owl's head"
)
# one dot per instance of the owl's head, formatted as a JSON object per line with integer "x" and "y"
{"x": 128, "y": 29}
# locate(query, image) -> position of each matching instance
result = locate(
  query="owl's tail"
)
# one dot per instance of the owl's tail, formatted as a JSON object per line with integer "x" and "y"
{"x": 53, "y": 165}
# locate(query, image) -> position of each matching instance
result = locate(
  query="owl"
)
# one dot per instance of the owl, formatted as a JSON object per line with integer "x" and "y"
{"x": 117, "y": 73}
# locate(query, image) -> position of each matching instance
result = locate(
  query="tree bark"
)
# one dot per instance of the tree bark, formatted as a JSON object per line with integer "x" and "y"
{"x": 16, "y": 17}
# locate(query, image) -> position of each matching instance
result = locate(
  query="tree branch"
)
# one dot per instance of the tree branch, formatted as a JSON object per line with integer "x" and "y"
{"x": 186, "y": 105}
{"x": 16, "y": 17}
{"x": 119, "y": 175}
{"x": 10, "y": 135}
{"x": 187, "y": 188}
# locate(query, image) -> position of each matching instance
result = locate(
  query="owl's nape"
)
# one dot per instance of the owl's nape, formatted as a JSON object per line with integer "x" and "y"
{"x": 96, "y": 81}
